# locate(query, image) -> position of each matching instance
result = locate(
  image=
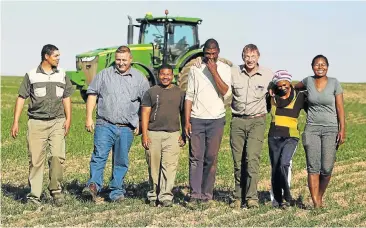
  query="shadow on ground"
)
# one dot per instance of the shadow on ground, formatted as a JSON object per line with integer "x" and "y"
{"x": 181, "y": 193}
{"x": 14, "y": 192}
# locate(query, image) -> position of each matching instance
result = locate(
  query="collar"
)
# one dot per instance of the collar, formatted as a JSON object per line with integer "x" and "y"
{"x": 127, "y": 73}
{"x": 40, "y": 69}
{"x": 166, "y": 88}
{"x": 259, "y": 71}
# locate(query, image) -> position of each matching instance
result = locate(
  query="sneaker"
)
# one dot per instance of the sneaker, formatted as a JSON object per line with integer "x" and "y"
{"x": 284, "y": 206}
{"x": 152, "y": 203}
{"x": 167, "y": 203}
{"x": 33, "y": 201}
{"x": 252, "y": 204}
{"x": 275, "y": 203}
{"x": 235, "y": 204}
{"x": 58, "y": 199}
{"x": 90, "y": 192}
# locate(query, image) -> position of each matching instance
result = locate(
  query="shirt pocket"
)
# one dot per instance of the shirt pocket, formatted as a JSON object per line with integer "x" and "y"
{"x": 40, "y": 89}
{"x": 60, "y": 88}
{"x": 238, "y": 89}
{"x": 260, "y": 90}
{"x": 59, "y": 91}
{"x": 40, "y": 92}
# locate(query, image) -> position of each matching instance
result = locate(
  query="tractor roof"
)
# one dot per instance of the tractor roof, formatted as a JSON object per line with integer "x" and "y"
{"x": 150, "y": 18}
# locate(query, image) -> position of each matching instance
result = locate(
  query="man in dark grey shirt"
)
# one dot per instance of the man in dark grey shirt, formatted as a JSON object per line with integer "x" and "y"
{"x": 119, "y": 90}
{"x": 161, "y": 107}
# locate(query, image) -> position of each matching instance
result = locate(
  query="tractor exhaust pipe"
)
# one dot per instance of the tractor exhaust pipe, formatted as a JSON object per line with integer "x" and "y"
{"x": 166, "y": 33}
{"x": 130, "y": 31}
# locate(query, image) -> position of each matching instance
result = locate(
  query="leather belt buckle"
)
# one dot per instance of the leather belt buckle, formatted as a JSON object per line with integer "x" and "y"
{"x": 121, "y": 125}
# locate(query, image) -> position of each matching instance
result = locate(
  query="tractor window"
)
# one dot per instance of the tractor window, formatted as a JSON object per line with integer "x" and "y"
{"x": 153, "y": 33}
{"x": 184, "y": 33}
{"x": 182, "y": 39}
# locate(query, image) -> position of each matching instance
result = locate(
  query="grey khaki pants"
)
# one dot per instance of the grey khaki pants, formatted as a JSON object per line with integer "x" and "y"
{"x": 204, "y": 147}
{"x": 162, "y": 159}
{"x": 40, "y": 135}
{"x": 320, "y": 144}
{"x": 246, "y": 141}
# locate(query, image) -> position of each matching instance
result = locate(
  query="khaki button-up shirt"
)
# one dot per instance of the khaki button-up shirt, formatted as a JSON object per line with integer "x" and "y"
{"x": 249, "y": 91}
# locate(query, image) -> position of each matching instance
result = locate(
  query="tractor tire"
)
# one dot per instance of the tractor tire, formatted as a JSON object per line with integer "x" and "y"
{"x": 183, "y": 74}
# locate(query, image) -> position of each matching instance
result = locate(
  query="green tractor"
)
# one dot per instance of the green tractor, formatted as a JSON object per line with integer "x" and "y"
{"x": 172, "y": 40}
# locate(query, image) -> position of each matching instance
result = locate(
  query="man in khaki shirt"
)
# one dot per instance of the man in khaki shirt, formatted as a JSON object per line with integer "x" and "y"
{"x": 249, "y": 88}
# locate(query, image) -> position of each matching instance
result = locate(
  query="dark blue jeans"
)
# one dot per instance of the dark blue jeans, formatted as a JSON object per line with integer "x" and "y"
{"x": 108, "y": 136}
{"x": 281, "y": 151}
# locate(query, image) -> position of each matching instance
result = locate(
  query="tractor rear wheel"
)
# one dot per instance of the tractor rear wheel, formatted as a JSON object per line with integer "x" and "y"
{"x": 183, "y": 74}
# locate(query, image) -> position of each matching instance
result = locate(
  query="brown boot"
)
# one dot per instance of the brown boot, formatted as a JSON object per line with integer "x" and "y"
{"x": 90, "y": 192}
{"x": 313, "y": 182}
{"x": 323, "y": 183}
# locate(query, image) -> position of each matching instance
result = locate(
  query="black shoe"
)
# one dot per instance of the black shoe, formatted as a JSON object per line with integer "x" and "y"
{"x": 284, "y": 206}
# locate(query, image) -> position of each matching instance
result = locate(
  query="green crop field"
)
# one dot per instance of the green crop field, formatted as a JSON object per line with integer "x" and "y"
{"x": 345, "y": 199}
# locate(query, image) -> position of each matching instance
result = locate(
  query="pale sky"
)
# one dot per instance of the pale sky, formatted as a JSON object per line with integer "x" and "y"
{"x": 288, "y": 34}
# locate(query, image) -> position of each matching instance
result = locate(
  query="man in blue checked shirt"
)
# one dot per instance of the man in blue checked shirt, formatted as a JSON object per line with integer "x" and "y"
{"x": 119, "y": 90}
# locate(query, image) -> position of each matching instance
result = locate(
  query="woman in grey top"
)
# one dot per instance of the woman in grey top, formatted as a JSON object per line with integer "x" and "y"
{"x": 325, "y": 126}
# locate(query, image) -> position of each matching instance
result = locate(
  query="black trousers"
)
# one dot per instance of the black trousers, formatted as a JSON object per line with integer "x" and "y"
{"x": 281, "y": 150}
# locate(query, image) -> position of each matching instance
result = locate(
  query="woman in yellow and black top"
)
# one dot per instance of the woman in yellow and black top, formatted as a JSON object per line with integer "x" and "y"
{"x": 283, "y": 136}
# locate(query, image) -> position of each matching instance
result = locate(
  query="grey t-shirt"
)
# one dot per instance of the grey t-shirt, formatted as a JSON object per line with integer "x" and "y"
{"x": 322, "y": 109}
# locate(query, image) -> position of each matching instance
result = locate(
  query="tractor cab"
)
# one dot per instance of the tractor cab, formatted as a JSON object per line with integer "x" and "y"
{"x": 171, "y": 37}
{"x": 161, "y": 40}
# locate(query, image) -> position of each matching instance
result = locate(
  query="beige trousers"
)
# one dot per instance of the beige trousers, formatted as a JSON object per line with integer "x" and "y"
{"x": 162, "y": 159}
{"x": 42, "y": 134}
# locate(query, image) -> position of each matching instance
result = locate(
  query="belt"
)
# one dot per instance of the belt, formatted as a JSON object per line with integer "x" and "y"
{"x": 44, "y": 119}
{"x": 122, "y": 125}
{"x": 118, "y": 124}
{"x": 248, "y": 116}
